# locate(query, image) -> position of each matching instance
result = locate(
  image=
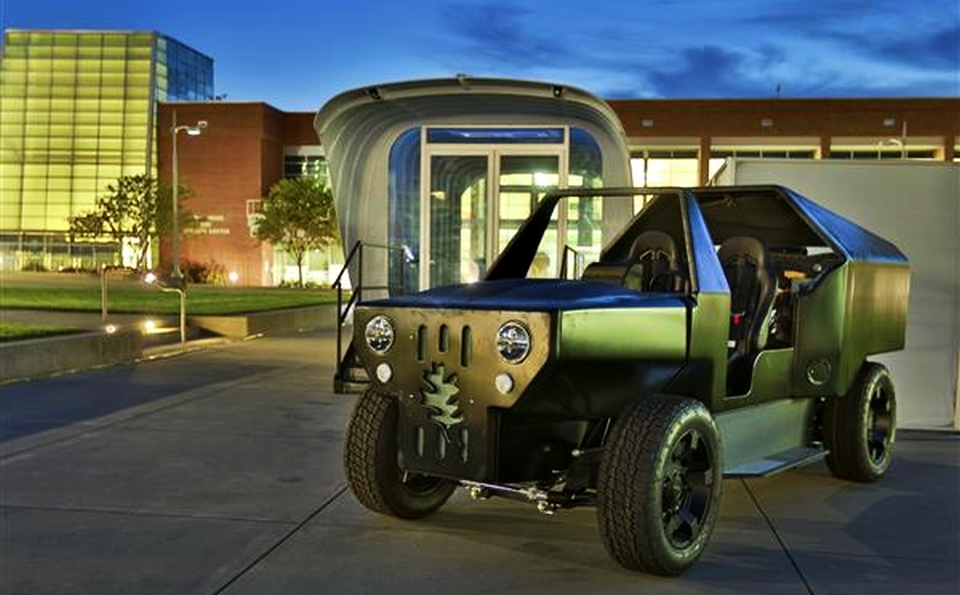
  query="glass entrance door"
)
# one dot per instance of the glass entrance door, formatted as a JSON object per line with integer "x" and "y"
{"x": 522, "y": 181}
{"x": 458, "y": 209}
{"x": 476, "y": 199}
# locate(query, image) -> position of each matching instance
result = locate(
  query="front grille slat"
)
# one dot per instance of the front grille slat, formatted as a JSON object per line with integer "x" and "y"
{"x": 446, "y": 350}
{"x": 466, "y": 347}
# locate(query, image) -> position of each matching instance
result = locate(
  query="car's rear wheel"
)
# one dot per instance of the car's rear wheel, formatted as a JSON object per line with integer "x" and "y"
{"x": 370, "y": 463}
{"x": 859, "y": 428}
{"x": 660, "y": 485}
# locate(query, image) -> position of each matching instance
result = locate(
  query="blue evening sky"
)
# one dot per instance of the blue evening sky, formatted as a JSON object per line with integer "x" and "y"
{"x": 296, "y": 54}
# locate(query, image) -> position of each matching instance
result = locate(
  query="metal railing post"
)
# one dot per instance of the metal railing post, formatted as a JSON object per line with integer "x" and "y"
{"x": 103, "y": 292}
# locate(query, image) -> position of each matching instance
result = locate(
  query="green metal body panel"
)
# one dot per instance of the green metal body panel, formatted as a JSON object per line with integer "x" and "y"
{"x": 858, "y": 309}
{"x": 819, "y": 324}
{"x": 771, "y": 379}
{"x": 763, "y": 430}
{"x": 876, "y": 319}
{"x": 709, "y": 328}
{"x": 646, "y": 333}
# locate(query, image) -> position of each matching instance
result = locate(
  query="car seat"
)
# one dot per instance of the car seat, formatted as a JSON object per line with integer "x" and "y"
{"x": 656, "y": 252}
{"x": 651, "y": 265}
{"x": 753, "y": 287}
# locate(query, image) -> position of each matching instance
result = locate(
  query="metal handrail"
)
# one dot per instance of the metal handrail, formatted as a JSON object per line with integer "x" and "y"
{"x": 343, "y": 311}
{"x": 577, "y": 259}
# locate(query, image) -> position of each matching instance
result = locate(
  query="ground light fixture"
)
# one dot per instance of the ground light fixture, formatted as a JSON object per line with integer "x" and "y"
{"x": 178, "y": 286}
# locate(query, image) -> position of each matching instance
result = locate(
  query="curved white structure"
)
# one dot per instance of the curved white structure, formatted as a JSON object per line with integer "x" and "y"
{"x": 397, "y": 151}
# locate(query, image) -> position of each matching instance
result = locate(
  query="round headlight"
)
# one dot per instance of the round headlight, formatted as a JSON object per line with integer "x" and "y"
{"x": 379, "y": 334}
{"x": 513, "y": 342}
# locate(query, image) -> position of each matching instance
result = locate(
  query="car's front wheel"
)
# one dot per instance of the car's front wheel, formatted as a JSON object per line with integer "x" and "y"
{"x": 859, "y": 428}
{"x": 370, "y": 463}
{"x": 660, "y": 485}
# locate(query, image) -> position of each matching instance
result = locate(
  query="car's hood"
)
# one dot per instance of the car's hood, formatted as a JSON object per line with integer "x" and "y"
{"x": 531, "y": 295}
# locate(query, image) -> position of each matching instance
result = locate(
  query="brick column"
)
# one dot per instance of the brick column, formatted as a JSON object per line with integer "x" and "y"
{"x": 825, "y": 142}
{"x": 703, "y": 160}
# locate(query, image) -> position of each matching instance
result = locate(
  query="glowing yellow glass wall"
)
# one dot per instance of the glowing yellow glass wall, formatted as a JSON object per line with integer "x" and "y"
{"x": 76, "y": 113}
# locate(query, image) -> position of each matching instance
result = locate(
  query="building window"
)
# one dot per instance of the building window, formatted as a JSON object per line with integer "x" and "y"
{"x": 404, "y": 205}
{"x": 254, "y": 214}
{"x": 677, "y": 167}
{"x": 499, "y": 136}
{"x": 763, "y": 153}
{"x": 313, "y": 166}
{"x": 882, "y": 153}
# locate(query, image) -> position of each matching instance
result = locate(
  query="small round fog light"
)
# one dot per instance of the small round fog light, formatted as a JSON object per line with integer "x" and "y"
{"x": 384, "y": 372}
{"x": 504, "y": 383}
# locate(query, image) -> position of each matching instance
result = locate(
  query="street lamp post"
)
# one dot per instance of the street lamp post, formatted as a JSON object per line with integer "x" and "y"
{"x": 181, "y": 287}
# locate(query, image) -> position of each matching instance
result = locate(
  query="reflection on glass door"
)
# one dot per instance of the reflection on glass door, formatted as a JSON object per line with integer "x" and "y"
{"x": 458, "y": 219}
{"x": 523, "y": 181}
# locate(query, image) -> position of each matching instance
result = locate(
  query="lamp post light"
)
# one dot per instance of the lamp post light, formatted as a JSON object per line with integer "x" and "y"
{"x": 194, "y": 130}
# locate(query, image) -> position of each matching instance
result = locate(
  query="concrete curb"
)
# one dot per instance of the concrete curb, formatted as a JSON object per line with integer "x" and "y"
{"x": 64, "y": 353}
{"x": 310, "y": 318}
{"x": 33, "y": 358}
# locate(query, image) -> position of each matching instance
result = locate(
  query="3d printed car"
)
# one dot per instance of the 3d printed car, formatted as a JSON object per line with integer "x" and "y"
{"x": 724, "y": 331}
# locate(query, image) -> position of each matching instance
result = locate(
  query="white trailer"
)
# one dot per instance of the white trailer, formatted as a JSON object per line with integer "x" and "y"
{"x": 915, "y": 205}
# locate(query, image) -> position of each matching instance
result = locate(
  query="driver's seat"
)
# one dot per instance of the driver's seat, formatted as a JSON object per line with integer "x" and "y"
{"x": 753, "y": 288}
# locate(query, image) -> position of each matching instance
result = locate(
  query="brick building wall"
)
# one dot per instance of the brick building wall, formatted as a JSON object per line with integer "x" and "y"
{"x": 236, "y": 159}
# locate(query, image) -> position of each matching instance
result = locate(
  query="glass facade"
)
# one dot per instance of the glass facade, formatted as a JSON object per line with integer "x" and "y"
{"x": 77, "y": 112}
{"x": 482, "y": 183}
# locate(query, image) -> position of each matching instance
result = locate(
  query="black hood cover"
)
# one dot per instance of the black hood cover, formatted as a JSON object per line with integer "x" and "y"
{"x": 530, "y": 295}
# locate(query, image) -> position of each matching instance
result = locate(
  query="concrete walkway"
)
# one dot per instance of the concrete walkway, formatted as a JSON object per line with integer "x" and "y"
{"x": 218, "y": 471}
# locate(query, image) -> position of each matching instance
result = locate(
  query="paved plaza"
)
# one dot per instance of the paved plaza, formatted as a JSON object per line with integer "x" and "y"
{"x": 218, "y": 471}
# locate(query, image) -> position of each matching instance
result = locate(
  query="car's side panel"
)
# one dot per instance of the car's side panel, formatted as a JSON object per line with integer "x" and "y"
{"x": 876, "y": 319}
{"x": 857, "y": 310}
{"x": 641, "y": 333}
{"x": 709, "y": 329}
{"x": 750, "y": 434}
{"x": 771, "y": 378}
{"x": 819, "y": 331}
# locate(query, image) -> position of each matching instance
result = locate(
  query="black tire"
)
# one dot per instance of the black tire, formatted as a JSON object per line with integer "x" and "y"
{"x": 660, "y": 485}
{"x": 370, "y": 463}
{"x": 859, "y": 428}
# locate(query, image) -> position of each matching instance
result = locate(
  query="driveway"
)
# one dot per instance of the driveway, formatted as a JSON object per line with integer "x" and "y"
{"x": 218, "y": 471}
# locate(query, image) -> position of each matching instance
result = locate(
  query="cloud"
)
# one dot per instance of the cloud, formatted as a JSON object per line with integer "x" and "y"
{"x": 706, "y": 71}
{"x": 936, "y": 50}
{"x": 495, "y": 34}
{"x": 923, "y": 35}
{"x": 807, "y": 48}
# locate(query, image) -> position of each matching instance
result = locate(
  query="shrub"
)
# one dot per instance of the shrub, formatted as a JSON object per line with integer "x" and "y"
{"x": 306, "y": 285}
{"x": 204, "y": 273}
{"x": 34, "y": 266}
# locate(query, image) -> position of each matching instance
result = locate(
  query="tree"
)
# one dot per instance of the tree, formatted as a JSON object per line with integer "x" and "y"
{"x": 298, "y": 215}
{"x": 135, "y": 207}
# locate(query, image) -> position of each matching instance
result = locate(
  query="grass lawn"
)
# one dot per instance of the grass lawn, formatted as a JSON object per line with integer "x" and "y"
{"x": 81, "y": 293}
{"x": 16, "y": 332}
